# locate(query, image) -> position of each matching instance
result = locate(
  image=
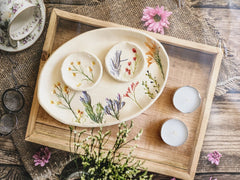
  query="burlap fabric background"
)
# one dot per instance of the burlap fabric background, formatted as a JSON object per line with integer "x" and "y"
{"x": 184, "y": 24}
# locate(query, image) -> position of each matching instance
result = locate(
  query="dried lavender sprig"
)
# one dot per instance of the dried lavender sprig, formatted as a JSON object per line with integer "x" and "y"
{"x": 115, "y": 63}
{"x": 96, "y": 114}
{"x": 113, "y": 107}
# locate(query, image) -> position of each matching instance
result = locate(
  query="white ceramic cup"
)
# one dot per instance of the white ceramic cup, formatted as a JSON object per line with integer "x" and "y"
{"x": 21, "y": 16}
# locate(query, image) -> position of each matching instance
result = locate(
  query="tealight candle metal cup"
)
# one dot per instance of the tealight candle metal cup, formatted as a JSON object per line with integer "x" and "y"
{"x": 174, "y": 132}
{"x": 186, "y": 99}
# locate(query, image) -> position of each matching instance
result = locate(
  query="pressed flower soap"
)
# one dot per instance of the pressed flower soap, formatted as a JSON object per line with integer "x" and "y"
{"x": 125, "y": 61}
{"x": 174, "y": 132}
{"x": 186, "y": 99}
{"x": 81, "y": 71}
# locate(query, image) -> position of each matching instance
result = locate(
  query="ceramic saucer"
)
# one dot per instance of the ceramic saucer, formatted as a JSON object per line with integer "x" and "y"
{"x": 31, "y": 38}
{"x": 125, "y": 61}
{"x": 81, "y": 71}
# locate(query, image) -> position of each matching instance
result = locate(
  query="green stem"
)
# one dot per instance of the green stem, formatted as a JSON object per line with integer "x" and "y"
{"x": 158, "y": 60}
{"x": 84, "y": 74}
{"x": 87, "y": 77}
{"x": 135, "y": 64}
{"x": 135, "y": 100}
{"x": 69, "y": 106}
{"x": 66, "y": 100}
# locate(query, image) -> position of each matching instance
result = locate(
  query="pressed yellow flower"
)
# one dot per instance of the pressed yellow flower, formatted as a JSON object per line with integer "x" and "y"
{"x": 69, "y": 69}
{"x": 66, "y": 90}
{"x": 52, "y": 102}
{"x": 59, "y": 102}
{"x": 90, "y": 69}
{"x": 93, "y": 63}
{"x": 78, "y": 63}
{"x": 71, "y": 63}
{"x": 74, "y": 74}
{"x": 57, "y": 84}
{"x": 79, "y": 84}
{"x": 54, "y": 91}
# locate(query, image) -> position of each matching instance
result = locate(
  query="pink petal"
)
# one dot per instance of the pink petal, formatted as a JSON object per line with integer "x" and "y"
{"x": 151, "y": 21}
{"x": 151, "y": 25}
{"x": 155, "y": 27}
{"x": 35, "y": 156}
{"x": 36, "y": 164}
{"x": 42, "y": 164}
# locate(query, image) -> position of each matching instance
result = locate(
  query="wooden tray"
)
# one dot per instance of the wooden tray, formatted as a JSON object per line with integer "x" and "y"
{"x": 191, "y": 64}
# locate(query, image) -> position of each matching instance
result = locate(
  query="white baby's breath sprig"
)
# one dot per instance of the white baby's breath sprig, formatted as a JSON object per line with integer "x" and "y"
{"x": 97, "y": 163}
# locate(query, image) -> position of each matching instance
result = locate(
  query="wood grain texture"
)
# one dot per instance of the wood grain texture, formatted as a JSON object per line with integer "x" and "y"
{"x": 8, "y": 152}
{"x": 228, "y": 4}
{"x": 224, "y": 119}
{"x": 13, "y": 172}
{"x": 162, "y": 38}
{"x": 223, "y": 135}
{"x": 74, "y": 2}
{"x": 199, "y": 176}
{"x": 223, "y": 128}
{"x": 226, "y": 24}
{"x": 191, "y": 64}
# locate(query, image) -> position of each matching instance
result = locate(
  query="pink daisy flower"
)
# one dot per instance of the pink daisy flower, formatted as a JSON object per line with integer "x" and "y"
{"x": 42, "y": 157}
{"x": 156, "y": 19}
{"x": 214, "y": 157}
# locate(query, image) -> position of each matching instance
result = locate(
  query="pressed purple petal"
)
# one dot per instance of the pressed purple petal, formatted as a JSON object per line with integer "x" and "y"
{"x": 107, "y": 110}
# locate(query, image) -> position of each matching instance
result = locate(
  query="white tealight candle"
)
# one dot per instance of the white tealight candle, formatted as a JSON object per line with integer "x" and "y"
{"x": 174, "y": 132}
{"x": 186, "y": 99}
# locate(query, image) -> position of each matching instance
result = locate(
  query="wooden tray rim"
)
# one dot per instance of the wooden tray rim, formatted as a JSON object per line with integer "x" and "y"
{"x": 33, "y": 136}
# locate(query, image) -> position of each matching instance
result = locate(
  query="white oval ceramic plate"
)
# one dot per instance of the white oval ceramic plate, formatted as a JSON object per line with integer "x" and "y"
{"x": 31, "y": 38}
{"x": 110, "y": 102}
